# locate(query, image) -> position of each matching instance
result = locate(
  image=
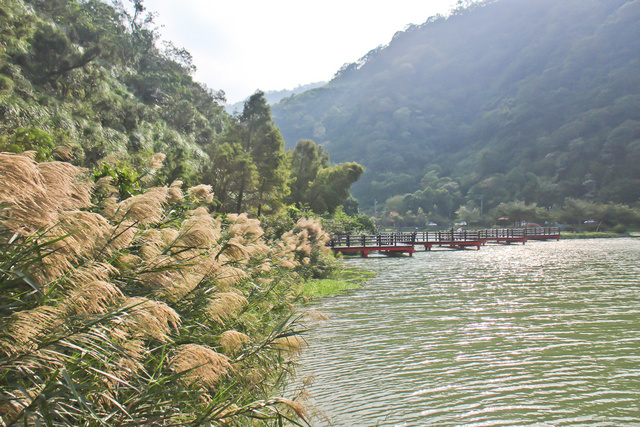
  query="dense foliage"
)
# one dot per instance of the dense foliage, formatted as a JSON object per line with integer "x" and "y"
{"x": 88, "y": 82}
{"x": 90, "y": 77}
{"x": 502, "y": 101}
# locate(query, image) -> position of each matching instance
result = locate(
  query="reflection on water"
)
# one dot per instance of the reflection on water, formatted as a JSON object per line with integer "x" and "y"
{"x": 544, "y": 334}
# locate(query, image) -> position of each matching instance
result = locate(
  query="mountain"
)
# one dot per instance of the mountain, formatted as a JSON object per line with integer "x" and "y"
{"x": 275, "y": 96}
{"x": 505, "y": 100}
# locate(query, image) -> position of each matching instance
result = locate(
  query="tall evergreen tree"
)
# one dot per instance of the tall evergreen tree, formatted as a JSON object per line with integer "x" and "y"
{"x": 261, "y": 141}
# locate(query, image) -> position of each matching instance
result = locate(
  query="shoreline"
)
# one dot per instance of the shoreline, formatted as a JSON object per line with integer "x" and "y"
{"x": 596, "y": 235}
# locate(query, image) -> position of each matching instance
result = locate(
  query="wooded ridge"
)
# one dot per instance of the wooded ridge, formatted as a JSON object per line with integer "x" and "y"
{"x": 502, "y": 101}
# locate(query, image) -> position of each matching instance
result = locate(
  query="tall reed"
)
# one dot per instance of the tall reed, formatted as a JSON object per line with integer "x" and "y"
{"x": 141, "y": 311}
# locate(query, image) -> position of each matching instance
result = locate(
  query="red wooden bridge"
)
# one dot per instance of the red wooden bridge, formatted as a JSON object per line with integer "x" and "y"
{"x": 390, "y": 243}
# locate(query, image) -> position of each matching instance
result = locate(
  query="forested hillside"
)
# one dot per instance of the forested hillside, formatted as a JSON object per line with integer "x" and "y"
{"x": 87, "y": 77}
{"x": 90, "y": 83}
{"x": 503, "y": 101}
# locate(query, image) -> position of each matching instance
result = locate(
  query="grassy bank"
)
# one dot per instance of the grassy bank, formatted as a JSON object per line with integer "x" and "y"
{"x": 338, "y": 282}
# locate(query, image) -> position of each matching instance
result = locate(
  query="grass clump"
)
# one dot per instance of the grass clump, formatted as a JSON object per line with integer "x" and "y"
{"x": 339, "y": 281}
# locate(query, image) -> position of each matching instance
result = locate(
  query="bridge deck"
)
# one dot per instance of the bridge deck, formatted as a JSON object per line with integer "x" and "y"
{"x": 406, "y": 242}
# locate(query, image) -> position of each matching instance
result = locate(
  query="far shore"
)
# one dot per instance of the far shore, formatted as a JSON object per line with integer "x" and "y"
{"x": 595, "y": 234}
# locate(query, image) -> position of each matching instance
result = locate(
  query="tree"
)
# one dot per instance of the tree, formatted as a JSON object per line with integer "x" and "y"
{"x": 307, "y": 159}
{"x": 469, "y": 213}
{"x": 331, "y": 186}
{"x": 54, "y": 54}
{"x": 270, "y": 159}
{"x": 263, "y": 176}
{"x": 317, "y": 184}
{"x": 226, "y": 162}
{"x": 518, "y": 211}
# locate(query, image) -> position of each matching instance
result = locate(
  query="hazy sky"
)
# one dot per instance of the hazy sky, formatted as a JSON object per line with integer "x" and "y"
{"x": 243, "y": 45}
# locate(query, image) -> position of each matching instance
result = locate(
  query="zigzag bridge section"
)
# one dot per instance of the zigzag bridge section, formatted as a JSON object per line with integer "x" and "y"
{"x": 395, "y": 243}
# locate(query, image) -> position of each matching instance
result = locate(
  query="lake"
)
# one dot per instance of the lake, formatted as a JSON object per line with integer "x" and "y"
{"x": 542, "y": 334}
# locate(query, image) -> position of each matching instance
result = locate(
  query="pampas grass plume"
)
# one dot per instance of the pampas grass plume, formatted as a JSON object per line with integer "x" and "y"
{"x": 147, "y": 208}
{"x": 232, "y": 341}
{"x": 28, "y": 327}
{"x": 156, "y": 161}
{"x": 291, "y": 343}
{"x": 151, "y": 318}
{"x": 225, "y": 305}
{"x": 93, "y": 298}
{"x": 201, "y": 365}
{"x": 201, "y": 192}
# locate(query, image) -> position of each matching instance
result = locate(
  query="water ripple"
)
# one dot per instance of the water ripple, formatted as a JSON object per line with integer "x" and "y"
{"x": 543, "y": 334}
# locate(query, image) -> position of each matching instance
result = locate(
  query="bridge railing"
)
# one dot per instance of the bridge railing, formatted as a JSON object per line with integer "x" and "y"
{"x": 368, "y": 240}
{"x": 542, "y": 231}
{"x": 444, "y": 236}
{"x": 502, "y": 233}
{"x": 403, "y": 238}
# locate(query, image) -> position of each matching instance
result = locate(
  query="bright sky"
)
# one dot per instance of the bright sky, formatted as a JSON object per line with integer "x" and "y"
{"x": 240, "y": 46}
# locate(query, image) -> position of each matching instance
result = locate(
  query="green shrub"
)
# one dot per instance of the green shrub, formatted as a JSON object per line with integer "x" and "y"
{"x": 620, "y": 229}
{"x": 5, "y": 83}
{"x": 32, "y": 139}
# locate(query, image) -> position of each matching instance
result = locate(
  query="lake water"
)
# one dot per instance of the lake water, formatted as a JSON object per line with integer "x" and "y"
{"x": 542, "y": 334}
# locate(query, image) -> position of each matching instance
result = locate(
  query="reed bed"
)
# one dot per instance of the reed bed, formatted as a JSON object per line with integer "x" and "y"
{"x": 127, "y": 312}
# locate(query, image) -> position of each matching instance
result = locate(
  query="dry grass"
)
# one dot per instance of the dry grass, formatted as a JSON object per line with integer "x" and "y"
{"x": 202, "y": 192}
{"x": 225, "y": 305}
{"x": 227, "y": 276}
{"x": 146, "y": 318}
{"x": 199, "y": 231}
{"x": 291, "y": 343}
{"x": 201, "y": 365}
{"x": 93, "y": 298}
{"x": 28, "y": 327}
{"x": 144, "y": 209}
{"x": 109, "y": 299}
{"x": 37, "y": 192}
{"x": 92, "y": 271}
{"x": 156, "y": 160}
{"x": 62, "y": 186}
{"x": 232, "y": 341}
